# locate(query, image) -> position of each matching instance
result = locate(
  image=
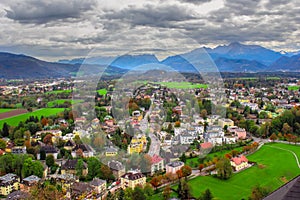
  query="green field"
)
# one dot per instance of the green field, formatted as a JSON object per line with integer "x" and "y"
{"x": 194, "y": 162}
{"x": 271, "y": 171}
{"x": 62, "y": 101}
{"x": 293, "y": 87}
{"x": 183, "y": 85}
{"x": 14, "y": 121}
{"x": 4, "y": 110}
{"x": 274, "y": 167}
{"x": 102, "y": 91}
{"x": 59, "y": 91}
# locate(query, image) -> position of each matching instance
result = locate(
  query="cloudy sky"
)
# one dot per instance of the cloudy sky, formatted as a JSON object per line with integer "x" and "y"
{"x": 56, "y": 29}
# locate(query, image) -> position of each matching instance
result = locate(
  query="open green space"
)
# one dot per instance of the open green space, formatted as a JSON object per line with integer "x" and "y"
{"x": 14, "y": 121}
{"x": 194, "y": 162}
{"x": 274, "y": 167}
{"x": 183, "y": 85}
{"x": 4, "y": 110}
{"x": 62, "y": 101}
{"x": 293, "y": 87}
{"x": 102, "y": 91}
{"x": 59, "y": 91}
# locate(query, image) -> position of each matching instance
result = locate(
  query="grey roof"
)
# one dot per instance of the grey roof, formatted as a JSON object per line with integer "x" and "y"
{"x": 97, "y": 182}
{"x": 17, "y": 195}
{"x": 31, "y": 178}
{"x": 175, "y": 164}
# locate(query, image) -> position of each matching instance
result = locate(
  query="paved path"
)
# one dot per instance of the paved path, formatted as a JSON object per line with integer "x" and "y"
{"x": 288, "y": 151}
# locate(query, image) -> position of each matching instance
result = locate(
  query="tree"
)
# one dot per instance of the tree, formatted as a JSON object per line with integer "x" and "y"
{"x": 200, "y": 167}
{"x": 259, "y": 193}
{"x": 273, "y": 137}
{"x": 94, "y": 166}
{"x": 186, "y": 171}
{"x": 156, "y": 181}
{"x": 106, "y": 173}
{"x": 138, "y": 193}
{"x": 224, "y": 168}
{"x": 203, "y": 114}
{"x": 2, "y": 144}
{"x": 79, "y": 167}
{"x": 145, "y": 163}
{"x": 50, "y": 160}
{"x": 177, "y": 124}
{"x": 48, "y": 139}
{"x": 182, "y": 158}
{"x": 5, "y": 130}
{"x": 183, "y": 190}
{"x": 167, "y": 192}
{"x": 206, "y": 195}
{"x": 31, "y": 167}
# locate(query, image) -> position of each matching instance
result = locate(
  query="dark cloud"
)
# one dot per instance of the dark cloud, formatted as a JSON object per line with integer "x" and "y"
{"x": 43, "y": 11}
{"x": 196, "y": 2}
{"x": 152, "y": 15}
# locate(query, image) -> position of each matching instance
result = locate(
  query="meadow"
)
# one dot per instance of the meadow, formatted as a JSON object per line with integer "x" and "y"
{"x": 293, "y": 87}
{"x": 102, "y": 91}
{"x": 14, "y": 121}
{"x": 4, "y": 110}
{"x": 62, "y": 101}
{"x": 59, "y": 91}
{"x": 274, "y": 167}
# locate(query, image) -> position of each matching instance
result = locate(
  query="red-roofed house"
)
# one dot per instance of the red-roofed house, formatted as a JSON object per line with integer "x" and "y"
{"x": 206, "y": 145}
{"x": 157, "y": 164}
{"x": 239, "y": 163}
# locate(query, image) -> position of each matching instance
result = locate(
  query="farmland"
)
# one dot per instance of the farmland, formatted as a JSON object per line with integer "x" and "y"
{"x": 59, "y": 91}
{"x": 293, "y": 87}
{"x": 4, "y": 110}
{"x": 13, "y": 121}
{"x": 62, "y": 101}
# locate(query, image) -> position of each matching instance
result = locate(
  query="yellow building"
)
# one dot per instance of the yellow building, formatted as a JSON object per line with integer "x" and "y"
{"x": 239, "y": 163}
{"x": 137, "y": 144}
{"x": 132, "y": 179}
{"x": 9, "y": 183}
{"x": 223, "y": 122}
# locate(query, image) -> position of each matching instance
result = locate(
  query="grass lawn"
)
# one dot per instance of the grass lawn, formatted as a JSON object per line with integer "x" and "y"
{"x": 4, "y": 110}
{"x": 102, "y": 91}
{"x": 293, "y": 87}
{"x": 62, "y": 101}
{"x": 183, "y": 85}
{"x": 273, "y": 168}
{"x": 194, "y": 162}
{"x": 59, "y": 91}
{"x": 14, "y": 121}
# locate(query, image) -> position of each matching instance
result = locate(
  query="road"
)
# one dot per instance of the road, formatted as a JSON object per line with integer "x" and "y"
{"x": 145, "y": 126}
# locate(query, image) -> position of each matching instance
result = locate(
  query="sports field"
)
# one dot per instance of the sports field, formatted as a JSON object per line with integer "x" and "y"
{"x": 62, "y": 101}
{"x": 14, "y": 121}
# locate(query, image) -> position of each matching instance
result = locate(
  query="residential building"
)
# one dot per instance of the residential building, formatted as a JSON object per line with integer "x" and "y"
{"x": 225, "y": 122}
{"x": 99, "y": 185}
{"x": 157, "y": 164}
{"x": 28, "y": 182}
{"x": 49, "y": 150}
{"x": 239, "y": 163}
{"x": 137, "y": 144}
{"x": 86, "y": 151}
{"x": 173, "y": 167}
{"x": 132, "y": 179}
{"x": 117, "y": 168}
{"x": 9, "y": 183}
{"x": 110, "y": 151}
{"x": 69, "y": 167}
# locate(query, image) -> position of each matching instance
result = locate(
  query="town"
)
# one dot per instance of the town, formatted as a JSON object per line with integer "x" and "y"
{"x": 170, "y": 135}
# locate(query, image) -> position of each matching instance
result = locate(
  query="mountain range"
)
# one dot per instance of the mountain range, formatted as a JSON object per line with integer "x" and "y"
{"x": 234, "y": 57}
